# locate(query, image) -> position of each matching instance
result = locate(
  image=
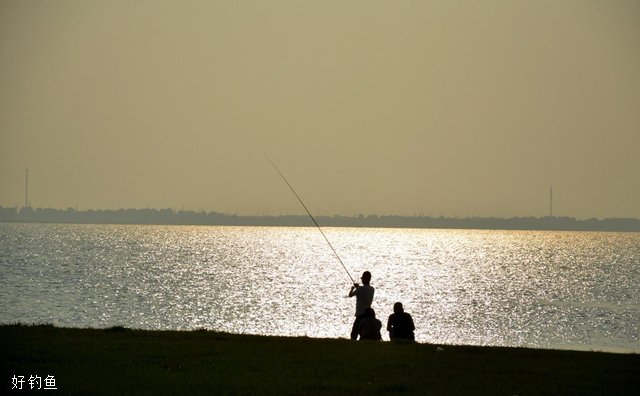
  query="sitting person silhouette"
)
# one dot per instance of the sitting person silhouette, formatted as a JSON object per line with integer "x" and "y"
{"x": 369, "y": 328}
{"x": 400, "y": 324}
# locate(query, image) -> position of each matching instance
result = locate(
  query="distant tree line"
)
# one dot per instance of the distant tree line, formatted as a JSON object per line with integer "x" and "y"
{"x": 185, "y": 217}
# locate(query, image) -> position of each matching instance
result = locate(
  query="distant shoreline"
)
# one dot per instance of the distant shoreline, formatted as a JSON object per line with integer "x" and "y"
{"x": 181, "y": 217}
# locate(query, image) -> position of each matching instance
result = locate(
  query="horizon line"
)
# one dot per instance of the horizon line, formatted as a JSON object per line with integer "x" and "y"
{"x": 335, "y": 215}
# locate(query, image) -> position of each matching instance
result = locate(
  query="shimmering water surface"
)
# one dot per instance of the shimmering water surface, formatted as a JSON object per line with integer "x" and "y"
{"x": 513, "y": 288}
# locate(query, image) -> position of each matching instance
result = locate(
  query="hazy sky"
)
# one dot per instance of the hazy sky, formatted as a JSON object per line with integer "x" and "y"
{"x": 454, "y": 108}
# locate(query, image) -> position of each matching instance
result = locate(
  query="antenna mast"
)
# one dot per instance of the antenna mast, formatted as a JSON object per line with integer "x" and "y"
{"x": 551, "y": 201}
{"x": 26, "y": 188}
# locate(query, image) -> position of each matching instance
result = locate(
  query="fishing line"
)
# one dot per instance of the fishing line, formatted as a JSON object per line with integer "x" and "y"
{"x": 309, "y": 213}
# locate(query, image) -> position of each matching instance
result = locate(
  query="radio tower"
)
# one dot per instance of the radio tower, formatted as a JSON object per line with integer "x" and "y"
{"x": 26, "y": 188}
{"x": 551, "y": 201}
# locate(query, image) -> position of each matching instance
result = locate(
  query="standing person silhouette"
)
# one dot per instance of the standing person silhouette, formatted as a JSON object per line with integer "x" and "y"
{"x": 364, "y": 297}
{"x": 400, "y": 324}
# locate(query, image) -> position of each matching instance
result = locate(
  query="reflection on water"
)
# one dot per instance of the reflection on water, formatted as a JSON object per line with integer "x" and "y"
{"x": 515, "y": 288}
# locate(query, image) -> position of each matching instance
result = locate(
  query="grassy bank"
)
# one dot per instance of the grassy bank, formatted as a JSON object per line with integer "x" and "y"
{"x": 120, "y": 361}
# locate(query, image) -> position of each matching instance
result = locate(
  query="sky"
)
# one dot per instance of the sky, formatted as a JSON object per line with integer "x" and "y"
{"x": 436, "y": 108}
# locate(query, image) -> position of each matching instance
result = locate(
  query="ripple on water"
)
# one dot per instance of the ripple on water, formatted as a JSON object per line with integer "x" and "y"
{"x": 515, "y": 288}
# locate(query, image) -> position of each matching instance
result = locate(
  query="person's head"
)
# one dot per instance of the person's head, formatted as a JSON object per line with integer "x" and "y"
{"x": 369, "y": 313}
{"x": 366, "y": 277}
{"x": 397, "y": 307}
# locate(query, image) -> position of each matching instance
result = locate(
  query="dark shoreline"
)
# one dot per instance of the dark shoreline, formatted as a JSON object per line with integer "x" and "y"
{"x": 173, "y": 217}
{"x": 119, "y": 360}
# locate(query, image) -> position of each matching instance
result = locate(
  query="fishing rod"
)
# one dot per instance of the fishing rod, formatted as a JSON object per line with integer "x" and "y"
{"x": 309, "y": 213}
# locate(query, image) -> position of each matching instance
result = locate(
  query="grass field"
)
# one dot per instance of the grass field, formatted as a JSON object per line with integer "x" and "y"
{"x": 121, "y": 361}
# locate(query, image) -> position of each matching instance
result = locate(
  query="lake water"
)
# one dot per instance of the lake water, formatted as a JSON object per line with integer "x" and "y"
{"x": 568, "y": 290}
